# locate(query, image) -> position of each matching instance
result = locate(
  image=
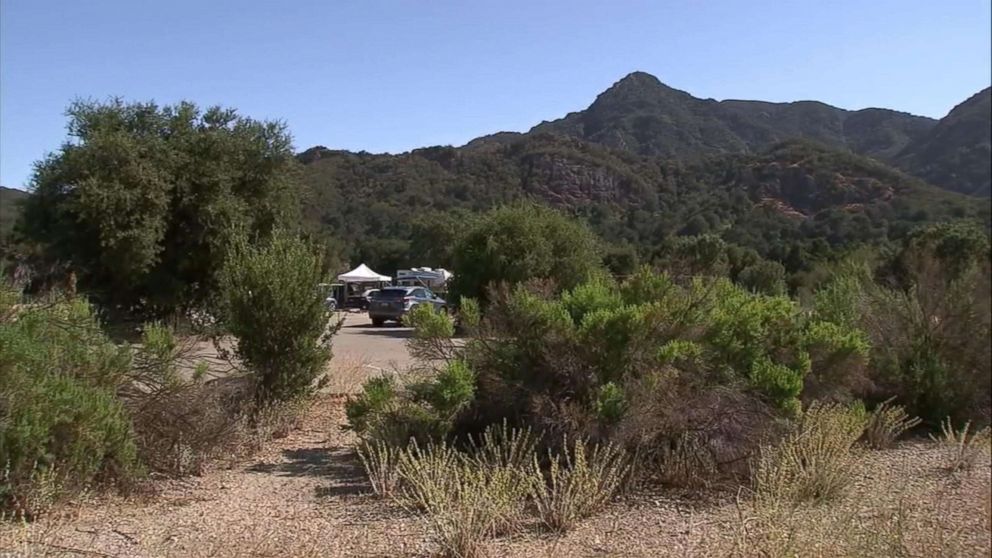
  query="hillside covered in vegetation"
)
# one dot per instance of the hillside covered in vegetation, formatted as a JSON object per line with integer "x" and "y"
{"x": 797, "y": 202}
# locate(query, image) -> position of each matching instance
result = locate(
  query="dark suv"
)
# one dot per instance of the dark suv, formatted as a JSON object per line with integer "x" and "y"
{"x": 392, "y": 303}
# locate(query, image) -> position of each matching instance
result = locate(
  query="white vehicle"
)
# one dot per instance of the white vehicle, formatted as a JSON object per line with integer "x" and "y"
{"x": 434, "y": 279}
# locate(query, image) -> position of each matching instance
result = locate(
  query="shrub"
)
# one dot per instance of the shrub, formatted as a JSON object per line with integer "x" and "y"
{"x": 962, "y": 447}
{"x": 766, "y": 277}
{"x": 469, "y": 314}
{"x": 179, "y": 429}
{"x": 271, "y": 306}
{"x": 423, "y": 410}
{"x": 378, "y": 395}
{"x": 689, "y": 462}
{"x": 886, "y": 423}
{"x": 814, "y": 461}
{"x": 381, "y": 462}
{"x": 450, "y": 391}
{"x": 469, "y": 497}
{"x": 508, "y": 455}
{"x": 432, "y": 332}
{"x": 927, "y": 321}
{"x": 578, "y": 484}
{"x": 61, "y": 426}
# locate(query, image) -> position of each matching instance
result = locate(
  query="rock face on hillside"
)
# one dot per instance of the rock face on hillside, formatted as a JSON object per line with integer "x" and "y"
{"x": 564, "y": 182}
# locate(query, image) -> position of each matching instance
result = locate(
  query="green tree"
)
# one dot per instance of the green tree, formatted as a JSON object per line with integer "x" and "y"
{"x": 139, "y": 201}
{"x": 516, "y": 243}
{"x": 270, "y": 303}
{"x": 764, "y": 277}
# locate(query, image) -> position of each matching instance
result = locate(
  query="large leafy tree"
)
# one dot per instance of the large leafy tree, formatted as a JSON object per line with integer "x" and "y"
{"x": 140, "y": 200}
{"x": 516, "y": 243}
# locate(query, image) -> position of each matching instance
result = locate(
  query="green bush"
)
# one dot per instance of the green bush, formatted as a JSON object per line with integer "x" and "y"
{"x": 271, "y": 305}
{"x": 423, "y": 410}
{"x": 378, "y": 396}
{"x": 60, "y": 422}
{"x": 601, "y": 333}
{"x": 765, "y": 277}
{"x": 517, "y": 243}
{"x": 451, "y": 390}
{"x": 928, "y": 334}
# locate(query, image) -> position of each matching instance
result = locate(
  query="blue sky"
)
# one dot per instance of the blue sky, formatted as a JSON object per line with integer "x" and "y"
{"x": 391, "y": 76}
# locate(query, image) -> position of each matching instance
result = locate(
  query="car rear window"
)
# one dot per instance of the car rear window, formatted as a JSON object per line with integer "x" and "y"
{"x": 390, "y": 293}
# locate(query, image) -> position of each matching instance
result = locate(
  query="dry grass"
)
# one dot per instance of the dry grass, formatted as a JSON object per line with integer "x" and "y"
{"x": 885, "y": 518}
{"x": 962, "y": 448}
{"x": 814, "y": 461}
{"x": 506, "y": 455}
{"x": 464, "y": 502}
{"x": 578, "y": 485}
{"x": 886, "y": 423}
{"x": 381, "y": 463}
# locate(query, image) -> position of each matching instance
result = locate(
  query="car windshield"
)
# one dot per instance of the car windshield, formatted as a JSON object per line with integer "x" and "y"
{"x": 391, "y": 293}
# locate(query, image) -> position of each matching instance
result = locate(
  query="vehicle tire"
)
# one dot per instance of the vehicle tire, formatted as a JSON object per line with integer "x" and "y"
{"x": 377, "y": 322}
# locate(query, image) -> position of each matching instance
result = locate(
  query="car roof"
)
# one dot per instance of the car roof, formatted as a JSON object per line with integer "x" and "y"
{"x": 404, "y": 289}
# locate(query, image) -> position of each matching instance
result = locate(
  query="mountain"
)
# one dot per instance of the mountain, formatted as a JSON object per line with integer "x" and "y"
{"x": 793, "y": 182}
{"x": 956, "y": 153}
{"x": 644, "y": 116}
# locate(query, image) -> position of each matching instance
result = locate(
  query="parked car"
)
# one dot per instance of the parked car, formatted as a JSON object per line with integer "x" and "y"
{"x": 330, "y": 292}
{"x": 367, "y": 297}
{"x": 392, "y": 303}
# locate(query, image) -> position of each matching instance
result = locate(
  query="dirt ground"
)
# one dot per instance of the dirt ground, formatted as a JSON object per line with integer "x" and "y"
{"x": 306, "y": 495}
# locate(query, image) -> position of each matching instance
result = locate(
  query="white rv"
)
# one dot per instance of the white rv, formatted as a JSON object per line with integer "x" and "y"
{"x": 433, "y": 279}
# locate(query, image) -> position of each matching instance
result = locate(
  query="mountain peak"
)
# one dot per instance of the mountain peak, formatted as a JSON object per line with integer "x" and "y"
{"x": 639, "y": 83}
{"x": 638, "y": 77}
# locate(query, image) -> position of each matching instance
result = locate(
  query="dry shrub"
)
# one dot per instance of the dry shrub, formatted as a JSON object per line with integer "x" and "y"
{"x": 578, "y": 484}
{"x": 381, "y": 462}
{"x": 507, "y": 455}
{"x": 347, "y": 374}
{"x": 814, "y": 461}
{"x": 269, "y": 421}
{"x": 180, "y": 428}
{"x": 962, "y": 448}
{"x": 464, "y": 503}
{"x": 36, "y": 493}
{"x": 886, "y": 423}
{"x": 689, "y": 462}
{"x": 689, "y": 435}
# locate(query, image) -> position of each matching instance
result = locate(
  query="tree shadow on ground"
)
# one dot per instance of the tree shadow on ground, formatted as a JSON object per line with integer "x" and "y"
{"x": 396, "y": 333}
{"x": 339, "y": 465}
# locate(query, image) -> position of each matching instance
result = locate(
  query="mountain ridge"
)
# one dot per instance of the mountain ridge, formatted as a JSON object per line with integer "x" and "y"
{"x": 642, "y": 115}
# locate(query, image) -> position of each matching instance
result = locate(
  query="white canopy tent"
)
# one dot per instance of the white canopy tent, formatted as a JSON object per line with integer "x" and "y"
{"x": 362, "y": 274}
